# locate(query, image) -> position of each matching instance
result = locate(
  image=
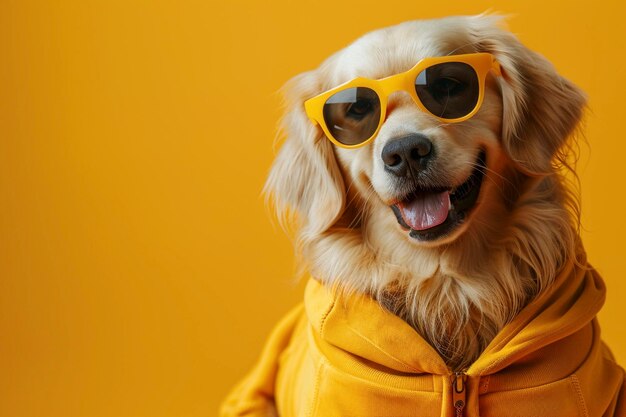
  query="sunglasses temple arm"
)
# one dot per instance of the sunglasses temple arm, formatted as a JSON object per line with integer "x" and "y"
{"x": 496, "y": 68}
{"x": 308, "y": 111}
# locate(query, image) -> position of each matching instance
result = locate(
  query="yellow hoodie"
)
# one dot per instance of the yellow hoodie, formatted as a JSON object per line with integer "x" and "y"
{"x": 338, "y": 356}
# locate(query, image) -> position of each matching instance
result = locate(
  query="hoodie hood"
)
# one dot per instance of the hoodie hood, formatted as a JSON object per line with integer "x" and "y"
{"x": 358, "y": 324}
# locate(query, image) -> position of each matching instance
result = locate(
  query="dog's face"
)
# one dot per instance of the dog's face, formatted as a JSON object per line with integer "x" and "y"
{"x": 422, "y": 185}
{"x": 423, "y": 180}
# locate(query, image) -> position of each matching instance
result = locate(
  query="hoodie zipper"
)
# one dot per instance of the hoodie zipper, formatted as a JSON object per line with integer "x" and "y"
{"x": 459, "y": 393}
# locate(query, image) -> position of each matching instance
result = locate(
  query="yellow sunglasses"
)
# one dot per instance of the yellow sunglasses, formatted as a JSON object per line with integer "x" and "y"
{"x": 451, "y": 88}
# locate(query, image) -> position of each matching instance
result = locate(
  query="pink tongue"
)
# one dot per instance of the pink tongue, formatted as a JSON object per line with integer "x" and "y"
{"x": 426, "y": 211}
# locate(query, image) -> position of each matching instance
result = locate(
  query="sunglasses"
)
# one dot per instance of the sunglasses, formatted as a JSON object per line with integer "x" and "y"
{"x": 450, "y": 88}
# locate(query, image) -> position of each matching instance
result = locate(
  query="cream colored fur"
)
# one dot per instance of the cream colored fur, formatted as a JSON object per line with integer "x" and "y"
{"x": 460, "y": 291}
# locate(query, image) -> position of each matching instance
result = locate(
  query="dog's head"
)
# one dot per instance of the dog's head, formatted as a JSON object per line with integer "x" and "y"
{"x": 423, "y": 184}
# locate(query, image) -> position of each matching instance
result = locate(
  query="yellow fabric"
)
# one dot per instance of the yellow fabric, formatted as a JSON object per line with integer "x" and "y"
{"x": 346, "y": 356}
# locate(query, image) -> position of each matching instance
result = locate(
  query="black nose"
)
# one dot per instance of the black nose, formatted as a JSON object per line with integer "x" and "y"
{"x": 407, "y": 154}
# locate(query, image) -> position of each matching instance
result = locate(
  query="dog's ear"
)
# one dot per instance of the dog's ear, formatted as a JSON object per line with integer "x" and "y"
{"x": 305, "y": 179}
{"x": 540, "y": 108}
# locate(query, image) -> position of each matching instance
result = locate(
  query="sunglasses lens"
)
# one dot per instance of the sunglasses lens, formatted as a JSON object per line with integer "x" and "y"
{"x": 448, "y": 90}
{"x": 352, "y": 115}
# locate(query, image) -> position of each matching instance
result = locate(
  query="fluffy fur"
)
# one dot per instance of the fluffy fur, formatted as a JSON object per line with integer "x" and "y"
{"x": 459, "y": 291}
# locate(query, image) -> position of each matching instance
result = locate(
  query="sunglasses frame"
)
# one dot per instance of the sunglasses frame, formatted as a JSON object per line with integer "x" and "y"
{"x": 481, "y": 62}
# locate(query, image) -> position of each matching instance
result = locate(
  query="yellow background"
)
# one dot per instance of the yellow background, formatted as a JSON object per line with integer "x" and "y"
{"x": 139, "y": 270}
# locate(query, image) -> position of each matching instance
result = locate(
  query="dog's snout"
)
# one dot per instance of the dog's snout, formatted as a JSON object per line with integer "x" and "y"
{"x": 407, "y": 154}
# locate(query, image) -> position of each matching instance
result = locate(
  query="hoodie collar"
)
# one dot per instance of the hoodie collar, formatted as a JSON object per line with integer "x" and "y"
{"x": 357, "y": 324}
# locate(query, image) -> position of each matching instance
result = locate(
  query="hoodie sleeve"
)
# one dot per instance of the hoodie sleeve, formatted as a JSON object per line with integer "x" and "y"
{"x": 620, "y": 400}
{"x": 254, "y": 395}
{"x": 617, "y": 407}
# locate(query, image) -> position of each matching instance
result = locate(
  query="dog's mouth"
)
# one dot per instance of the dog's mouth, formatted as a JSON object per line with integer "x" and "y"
{"x": 429, "y": 214}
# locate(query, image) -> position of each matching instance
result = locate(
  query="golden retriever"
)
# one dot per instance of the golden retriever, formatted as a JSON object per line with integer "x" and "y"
{"x": 460, "y": 226}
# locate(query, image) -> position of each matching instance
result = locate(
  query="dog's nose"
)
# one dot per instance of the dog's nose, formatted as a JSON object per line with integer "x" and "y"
{"x": 407, "y": 153}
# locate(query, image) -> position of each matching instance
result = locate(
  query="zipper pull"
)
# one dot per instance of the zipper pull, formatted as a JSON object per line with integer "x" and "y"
{"x": 458, "y": 392}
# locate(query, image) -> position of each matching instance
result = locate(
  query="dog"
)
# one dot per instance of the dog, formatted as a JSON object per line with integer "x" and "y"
{"x": 424, "y": 176}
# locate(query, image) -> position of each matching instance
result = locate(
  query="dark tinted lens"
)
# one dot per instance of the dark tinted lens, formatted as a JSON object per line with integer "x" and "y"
{"x": 448, "y": 90}
{"x": 352, "y": 115}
